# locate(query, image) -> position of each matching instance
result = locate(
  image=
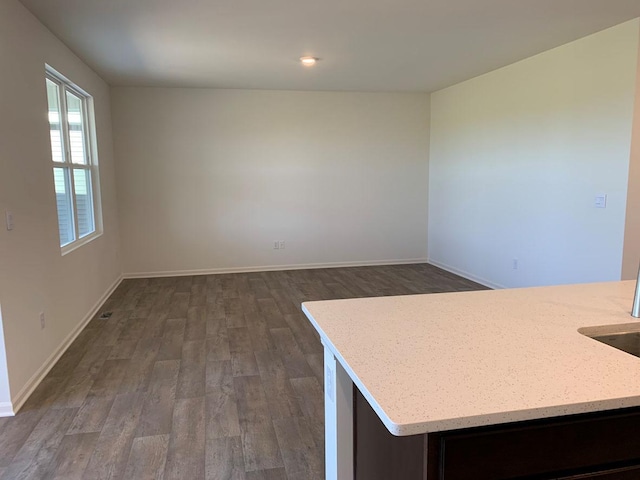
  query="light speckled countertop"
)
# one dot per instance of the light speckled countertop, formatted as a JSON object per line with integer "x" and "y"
{"x": 435, "y": 362}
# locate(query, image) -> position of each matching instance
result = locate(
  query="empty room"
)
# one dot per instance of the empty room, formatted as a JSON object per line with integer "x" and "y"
{"x": 295, "y": 240}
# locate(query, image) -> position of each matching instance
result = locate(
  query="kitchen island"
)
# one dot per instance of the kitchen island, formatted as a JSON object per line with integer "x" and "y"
{"x": 416, "y": 385}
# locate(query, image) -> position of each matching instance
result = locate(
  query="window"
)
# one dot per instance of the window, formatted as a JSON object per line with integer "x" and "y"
{"x": 74, "y": 165}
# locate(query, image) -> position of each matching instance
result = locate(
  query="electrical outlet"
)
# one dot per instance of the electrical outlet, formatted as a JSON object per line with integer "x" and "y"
{"x": 9, "y": 219}
{"x": 42, "y": 322}
{"x": 514, "y": 265}
{"x": 276, "y": 245}
{"x": 281, "y": 244}
{"x": 329, "y": 383}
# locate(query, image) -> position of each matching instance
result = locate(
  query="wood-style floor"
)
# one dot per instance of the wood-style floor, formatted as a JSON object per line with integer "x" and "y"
{"x": 216, "y": 377}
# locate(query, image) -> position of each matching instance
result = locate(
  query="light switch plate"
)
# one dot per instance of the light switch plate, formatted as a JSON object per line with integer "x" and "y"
{"x": 601, "y": 200}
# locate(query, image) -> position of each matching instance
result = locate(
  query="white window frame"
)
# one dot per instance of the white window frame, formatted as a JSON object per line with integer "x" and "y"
{"x": 65, "y": 85}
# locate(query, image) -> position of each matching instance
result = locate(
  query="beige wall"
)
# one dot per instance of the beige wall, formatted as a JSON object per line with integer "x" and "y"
{"x": 631, "y": 254}
{"x": 34, "y": 276}
{"x": 209, "y": 179}
{"x": 518, "y": 156}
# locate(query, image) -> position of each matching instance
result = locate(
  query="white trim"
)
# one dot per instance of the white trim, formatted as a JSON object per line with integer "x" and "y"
{"x": 338, "y": 419}
{"x": 6, "y": 409}
{"x": 467, "y": 275}
{"x": 270, "y": 268}
{"x": 70, "y": 247}
{"x": 22, "y": 396}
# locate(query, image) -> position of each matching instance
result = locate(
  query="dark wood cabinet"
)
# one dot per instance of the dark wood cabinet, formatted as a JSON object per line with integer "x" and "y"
{"x": 604, "y": 446}
{"x": 624, "y": 473}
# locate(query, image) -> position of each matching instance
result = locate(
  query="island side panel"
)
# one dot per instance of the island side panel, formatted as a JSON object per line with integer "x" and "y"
{"x": 338, "y": 418}
{"x": 379, "y": 455}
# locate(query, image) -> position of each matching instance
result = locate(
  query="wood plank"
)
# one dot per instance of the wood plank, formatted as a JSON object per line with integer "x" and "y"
{"x": 155, "y": 324}
{"x": 92, "y": 415}
{"x": 185, "y": 458}
{"x": 132, "y": 329}
{"x": 157, "y": 412}
{"x": 93, "y": 412}
{"x": 221, "y": 413}
{"x": 229, "y": 288}
{"x": 75, "y": 391}
{"x": 292, "y": 356}
{"x": 218, "y": 374}
{"x": 316, "y": 363}
{"x": 198, "y": 295}
{"x": 110, "y": 376}
{"x": 244, "y": 364}
{"x": 249, "y": 304}
{"x": 259, "y": 288}
{"x": 15, "y": 432}
{"x": 224, "y": 459}
{"x": 172, "y": 340}
{"x": 196, "y": 326}
{"x": 148, "y": 298}
{"x": 138, "y": 374}
{"x": 217, "y": 340}
{"x": 147, "y": 458}
{"x": 199, "y": 279}
{"x": 93, "y": 360}
{"x": 70, "y": 359}
{"x": 123, "y": 349}
{"x": 37, "y": 452}
{"x": 179, "y": 305}
{"x": 282, "y": 400}
{"x": 311, "y": 398}
{"x": 234, "y": 312}
{"x": 183, "y": 284}
{"x": 305, "y": 335}
{"x": 284, "y": 302}
{"x": 271, "y": 474}
{"x": 259, "y": 333}
{"x": 259, "y": 442}
{"x": 191, "y": 381}
{"x": 239, "y": 340}
{"x": 112, "y": 448}
{"x": 72, "y": 456}
{"x": 299, "y": 449}
{"x": 271, "y": 313}
{"x": 215, "y": 305}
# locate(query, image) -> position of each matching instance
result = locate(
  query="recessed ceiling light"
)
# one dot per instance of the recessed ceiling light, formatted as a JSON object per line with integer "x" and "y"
{"x": 309, "y": 61}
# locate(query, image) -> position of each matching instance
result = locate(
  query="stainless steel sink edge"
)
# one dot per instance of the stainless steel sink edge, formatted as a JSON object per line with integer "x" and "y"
{"x": 618, "y": 329}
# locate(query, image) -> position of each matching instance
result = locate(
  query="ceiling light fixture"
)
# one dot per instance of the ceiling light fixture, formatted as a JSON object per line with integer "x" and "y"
{"x": 309, "y": 61}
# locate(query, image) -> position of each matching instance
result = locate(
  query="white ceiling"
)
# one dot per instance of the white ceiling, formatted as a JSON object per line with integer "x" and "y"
{"x": 367, "y": 45}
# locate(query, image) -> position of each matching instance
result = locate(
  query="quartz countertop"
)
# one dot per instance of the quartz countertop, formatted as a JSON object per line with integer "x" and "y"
{"x": 435, "y": 362}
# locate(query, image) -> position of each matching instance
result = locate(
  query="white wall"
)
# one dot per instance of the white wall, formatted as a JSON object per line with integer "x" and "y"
{"x": 208, "y": 179}
{"x": 517, "y": 157}
{"x": 631, "y": 257}
{"x": 34, "y": 276}
{"x": 6, "y": 407}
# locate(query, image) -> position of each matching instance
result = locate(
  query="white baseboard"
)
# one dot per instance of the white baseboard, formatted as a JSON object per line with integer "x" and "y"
{"x": 467, "y": 275}
{"x": 22, "y": 396}
{"x": 271, "y": 268}
{"x": 6, "y": 409}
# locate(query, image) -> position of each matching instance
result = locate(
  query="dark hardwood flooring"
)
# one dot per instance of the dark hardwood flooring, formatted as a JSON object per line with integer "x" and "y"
{"x": 216, "y": 377}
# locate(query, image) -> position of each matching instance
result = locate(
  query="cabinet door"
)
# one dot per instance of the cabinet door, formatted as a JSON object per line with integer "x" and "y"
{"x": 540, "y": 448}
{"x": 627, "y": 473}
